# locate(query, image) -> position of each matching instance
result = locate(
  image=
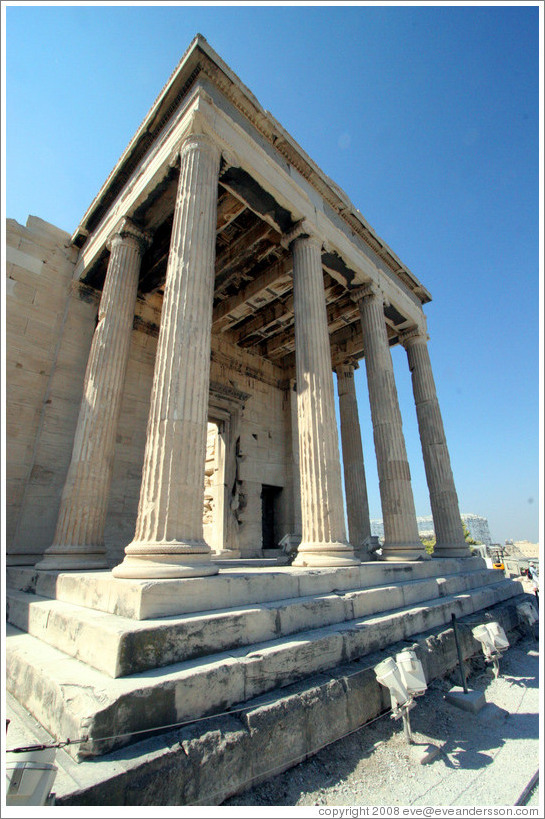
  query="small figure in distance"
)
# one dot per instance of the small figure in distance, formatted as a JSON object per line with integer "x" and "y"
{"x": 533, "y": 575}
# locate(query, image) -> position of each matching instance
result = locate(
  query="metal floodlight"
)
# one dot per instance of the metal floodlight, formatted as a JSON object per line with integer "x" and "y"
{"x": 30, "y": 776}
{"x": 390, "y": 676}
{"x": 499, "y": 637}
{"x": 494, "y": 642}
{"x": 412, "y": 672}
{"x": 527, "y": 613}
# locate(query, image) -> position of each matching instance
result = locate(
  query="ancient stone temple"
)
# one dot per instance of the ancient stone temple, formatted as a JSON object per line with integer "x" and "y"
{"x": 175, "y": 491}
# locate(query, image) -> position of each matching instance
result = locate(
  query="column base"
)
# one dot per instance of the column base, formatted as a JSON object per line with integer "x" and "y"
{"x": 400, "y": 553}
{"x": 72, "y": 562}
{"x": 452, "y": 551}
{"x": 367, "y": 550}
{"x": 154, "y": 561}
{"x": 318, "y": 555}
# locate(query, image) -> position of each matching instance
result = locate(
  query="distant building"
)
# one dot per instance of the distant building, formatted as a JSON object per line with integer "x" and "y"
{"x": 476, "y": 524}
{"x": 522, "y": 548}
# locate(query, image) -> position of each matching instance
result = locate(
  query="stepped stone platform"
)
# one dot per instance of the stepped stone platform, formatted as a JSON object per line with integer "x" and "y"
{"x": 91, "y": 655}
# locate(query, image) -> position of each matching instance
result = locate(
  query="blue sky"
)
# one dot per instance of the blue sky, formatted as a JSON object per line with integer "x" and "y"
{"x": 426, "y": 116}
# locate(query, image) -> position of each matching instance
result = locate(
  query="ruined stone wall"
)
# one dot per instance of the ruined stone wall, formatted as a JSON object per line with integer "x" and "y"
{"x": 49, "y": 325}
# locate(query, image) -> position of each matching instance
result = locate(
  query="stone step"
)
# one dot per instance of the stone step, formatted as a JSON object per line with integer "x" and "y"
{"x": 71, "y": 699}
{"x": 232, "y": 587}
{"x": 120, "y": 646}
{"x": 208, "y": 761}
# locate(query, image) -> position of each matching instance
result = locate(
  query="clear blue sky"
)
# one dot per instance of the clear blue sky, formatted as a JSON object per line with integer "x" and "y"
{"x": 426, "y": 116}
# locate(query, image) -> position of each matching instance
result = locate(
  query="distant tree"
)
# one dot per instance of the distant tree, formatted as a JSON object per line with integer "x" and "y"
{"x": 467, "y": 536}
{"x": 428, "y": 543}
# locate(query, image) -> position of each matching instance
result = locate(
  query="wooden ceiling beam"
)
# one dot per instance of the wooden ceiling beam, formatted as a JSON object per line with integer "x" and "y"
{"x": 348, "y": 343}
{"x": 280, "y": 344}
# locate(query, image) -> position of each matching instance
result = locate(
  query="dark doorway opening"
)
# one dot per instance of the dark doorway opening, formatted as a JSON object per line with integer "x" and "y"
{"x": 269, "y": 501}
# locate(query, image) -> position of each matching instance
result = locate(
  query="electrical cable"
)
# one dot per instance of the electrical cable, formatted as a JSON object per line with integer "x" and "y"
{"x": 171, "y": 726}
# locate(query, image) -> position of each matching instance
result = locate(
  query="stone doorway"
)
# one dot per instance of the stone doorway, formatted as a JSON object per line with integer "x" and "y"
{"x": 270, "y": 496}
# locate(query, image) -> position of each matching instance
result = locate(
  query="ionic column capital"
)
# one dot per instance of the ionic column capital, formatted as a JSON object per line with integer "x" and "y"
{"x": 229, "y": 159}
{"x": 127, "y": 230}
{"x": 302, "y": 230}
{"x": 347, "y": 368}
{"x": 195, "y": 140}
{"x": 413, "y": 335}
{"x": 366, "y": 291}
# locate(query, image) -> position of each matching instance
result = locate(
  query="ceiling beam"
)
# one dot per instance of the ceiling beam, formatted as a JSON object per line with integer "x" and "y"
{"x": 283, "y": 312}
{"x": 240, "y": 249}
{"x": 229, "y": 208}
{"x": 244, "y": 271}
{"x": 284, "y": 342}
{"x": 267, "y": 316}
{"x": 225, "y": 313}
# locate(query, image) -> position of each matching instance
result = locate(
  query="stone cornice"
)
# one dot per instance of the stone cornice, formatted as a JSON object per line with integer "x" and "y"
{"x": 229, "y": 392}
{"x": 202, "y": 116}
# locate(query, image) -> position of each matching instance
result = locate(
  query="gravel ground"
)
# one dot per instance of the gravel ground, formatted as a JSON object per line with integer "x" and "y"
{"x": 483, "y": 760}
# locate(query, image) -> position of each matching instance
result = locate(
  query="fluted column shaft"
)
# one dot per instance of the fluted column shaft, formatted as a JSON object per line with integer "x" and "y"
{"x": 449, "y": 533}
{"x": 79, "y": 536}
{"x": 168, "y": 540}
{"x": 355, "y": 485}
{"x": 401, "y": 539}
{"x": 297, "y": 525}
{"x": 323, "y": 529}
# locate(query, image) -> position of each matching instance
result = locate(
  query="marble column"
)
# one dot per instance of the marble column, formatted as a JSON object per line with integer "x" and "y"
{"x": 296, "y": 472}
{"x": 168, "y": 540}
{"x": 324, "y": 540}
{"x": 449, "y": 533}
{"x": 357, "y": 504}
{"x": 79, "y": 537}
{"x": 401, "y": 539}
